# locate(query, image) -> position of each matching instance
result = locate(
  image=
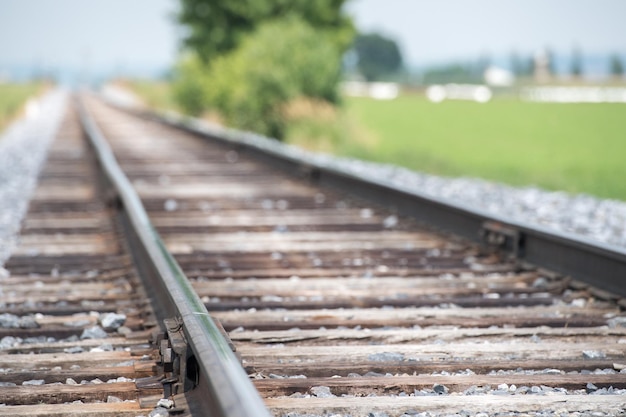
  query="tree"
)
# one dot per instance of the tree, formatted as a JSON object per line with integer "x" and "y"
{"x": 377, "y": 56}
{"x": 517, "y": 65}
{"x": 250, "y": 86}
{"x": 577, "y": 62}
{"x": 458, "y": 72}
{"x": 215, "y": 27}
{"x": 521, "y": 66}
{"x": 247, "y": 59}
{"x": 616, "y": 66}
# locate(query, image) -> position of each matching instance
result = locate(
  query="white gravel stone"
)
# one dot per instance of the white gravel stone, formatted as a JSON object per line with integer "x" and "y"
{"x": 386, "y": 357}
{"x": 94, "y": 332}
{"x": 159, "y": 412}
{"x": 593, "y": 354}
{"x": 8, "y": 342}
{"x": 165, "y": 403}
{"x": 34, "y": 382}
{"x": 74, "y": 349}
{"x": 321, "y": 392}
{"x": 112, "y": 321}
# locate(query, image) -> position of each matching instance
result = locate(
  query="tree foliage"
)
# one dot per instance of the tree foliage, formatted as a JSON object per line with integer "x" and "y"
{"x": 191, "y": 85}
{"x": 377, "y": 56}
{"x": 247, "y": 59}
{"x": 616, "y": 65}
{"x": 215, "y": 27}
{"x": 250, "y": 86}
{"x": 521, "y": 66}
{"x": 576, "y": 68}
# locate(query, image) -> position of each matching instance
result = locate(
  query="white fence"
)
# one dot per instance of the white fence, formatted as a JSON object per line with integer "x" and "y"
{"x": 574, "y": 94}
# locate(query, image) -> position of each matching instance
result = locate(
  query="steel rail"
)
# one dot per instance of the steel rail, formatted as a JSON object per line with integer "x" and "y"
{"x": 597, "y": 264}
{"x": 221, "y": 386}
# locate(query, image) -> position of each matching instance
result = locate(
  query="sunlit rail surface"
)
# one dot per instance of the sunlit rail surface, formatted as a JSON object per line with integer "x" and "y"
{"x": 334, "y": 305}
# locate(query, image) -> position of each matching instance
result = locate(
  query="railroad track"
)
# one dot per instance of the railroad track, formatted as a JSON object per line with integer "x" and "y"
{"x": 339, "y": 305}
{"x": 76, "y": 325}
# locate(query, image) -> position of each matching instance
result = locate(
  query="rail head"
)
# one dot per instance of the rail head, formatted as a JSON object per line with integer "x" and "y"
{"x": 597, "y": 264}
{"x": 219, "y": 372}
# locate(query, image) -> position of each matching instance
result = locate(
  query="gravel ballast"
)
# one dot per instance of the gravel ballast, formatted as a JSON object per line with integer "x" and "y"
{"x": 23, "y": 148}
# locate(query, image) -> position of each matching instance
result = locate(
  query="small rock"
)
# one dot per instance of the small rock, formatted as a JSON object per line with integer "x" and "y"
{"x": 321, "y": 392}
{"x": 106, "y": 347}
{"x": 123, "y": 330}
{"x": 71, "y": 381}
{"x": 617, "y": 322}
{"x": 75, "y": 349}
{"x": 112, "y": 321}
{"x": 390, "y": 221}
{"x": 522, "y": 390}
{"x": 590, "y": 388}
{"x": 440, "y": 389}
{"x": 94, "y": 332}
{"x": 378, "y": 414}
{"x": 601, "y": 391}
{"x": 165, "y": 403}
{"x": 28, "y": 322}
{"x": 113, "y": 399}
{"x": 8, "y": 342}
{"x": 9, "y": 321}
{"x": 386, "y": 357}
{"x": 34, "y": 382}
{"x": 593, "y": 354}
{"x": 159, "y": 412}
{"x": 170, "y": 205}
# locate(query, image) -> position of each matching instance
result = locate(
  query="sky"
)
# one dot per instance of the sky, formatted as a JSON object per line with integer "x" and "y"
{"x": 88, "y": 35}
{"x": 136, "y": 35}
{"x": 436, "y": 31}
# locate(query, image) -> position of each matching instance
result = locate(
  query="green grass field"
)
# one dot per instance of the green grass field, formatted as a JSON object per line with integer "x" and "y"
{"x": 570, "y": 147}
{"x": 12, "y": 98}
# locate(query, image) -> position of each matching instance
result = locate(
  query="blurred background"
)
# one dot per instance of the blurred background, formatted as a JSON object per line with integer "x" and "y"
{"x": 525, "y": 92}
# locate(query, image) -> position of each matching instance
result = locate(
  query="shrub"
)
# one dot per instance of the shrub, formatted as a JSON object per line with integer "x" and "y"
{"x": 190, "y": 85}
{"x": 280, "y": 61}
